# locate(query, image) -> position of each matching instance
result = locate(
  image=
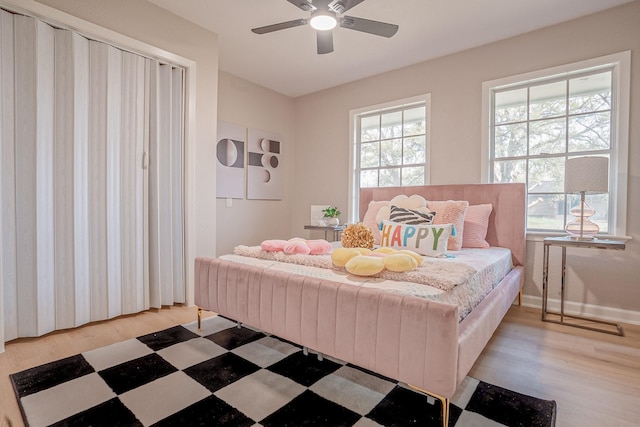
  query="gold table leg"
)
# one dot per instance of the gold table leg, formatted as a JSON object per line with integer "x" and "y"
{"x": 443, "y": 401}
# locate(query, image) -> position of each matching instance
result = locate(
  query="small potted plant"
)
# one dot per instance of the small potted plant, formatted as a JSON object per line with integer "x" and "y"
{"x": 332, "y": 213}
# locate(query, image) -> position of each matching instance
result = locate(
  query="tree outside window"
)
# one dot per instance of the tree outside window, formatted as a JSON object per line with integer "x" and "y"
{"x": 392, "y": 147}
{"x": 537, "y": 126}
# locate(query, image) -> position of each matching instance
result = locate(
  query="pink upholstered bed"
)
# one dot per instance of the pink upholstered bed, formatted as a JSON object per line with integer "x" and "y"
{"x": 417, "y": 341}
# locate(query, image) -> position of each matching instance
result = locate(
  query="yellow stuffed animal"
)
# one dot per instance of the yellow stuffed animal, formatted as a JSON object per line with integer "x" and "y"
{"x": 364, "y": 262}
{"x": 365, "y": 265}
{"x": 341, "y": 256}
{"x": 400, "y": 263}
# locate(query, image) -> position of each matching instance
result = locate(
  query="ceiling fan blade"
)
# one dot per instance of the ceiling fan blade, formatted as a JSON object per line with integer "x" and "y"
{"x": 325, "y": 41}
{"x": 303, "y": 4}
{"x": 280, "y": 26}
{"x": 341, "y": 6}
{"x": 368, "y": 26}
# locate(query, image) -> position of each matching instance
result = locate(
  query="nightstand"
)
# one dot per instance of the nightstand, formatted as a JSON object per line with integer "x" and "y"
{"x": 561, "y": 317}
{"x": 337, "y": 229}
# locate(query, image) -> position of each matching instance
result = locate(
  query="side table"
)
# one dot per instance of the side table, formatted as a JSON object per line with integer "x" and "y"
{"x": 337, "y": 229}
{"x": 561, "y": 317}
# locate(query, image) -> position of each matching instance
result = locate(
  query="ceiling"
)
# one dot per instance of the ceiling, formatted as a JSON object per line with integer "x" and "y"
{"x": 286, "y": 61}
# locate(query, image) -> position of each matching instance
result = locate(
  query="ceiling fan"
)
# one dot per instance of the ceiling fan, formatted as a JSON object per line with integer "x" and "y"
{"x": 324, "y": 18}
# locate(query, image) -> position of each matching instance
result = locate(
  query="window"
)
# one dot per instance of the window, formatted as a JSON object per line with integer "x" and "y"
{"x": 391, "y": 146}
{"x": 537, "y": 122}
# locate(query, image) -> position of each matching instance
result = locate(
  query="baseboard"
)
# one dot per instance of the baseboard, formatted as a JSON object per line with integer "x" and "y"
{"x": 596, "y": 311}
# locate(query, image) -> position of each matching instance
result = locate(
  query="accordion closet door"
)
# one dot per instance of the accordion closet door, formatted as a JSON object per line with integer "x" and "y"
{"x": 91, "y": 179}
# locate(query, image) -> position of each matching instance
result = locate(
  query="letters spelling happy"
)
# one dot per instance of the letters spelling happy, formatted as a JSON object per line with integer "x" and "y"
{"x": 404, "y": 236}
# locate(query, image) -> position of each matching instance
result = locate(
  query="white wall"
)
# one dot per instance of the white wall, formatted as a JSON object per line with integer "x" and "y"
{"x": 604, "y": 278}
{"x": 317, "y": 126}
{"x": 249, "y": 222}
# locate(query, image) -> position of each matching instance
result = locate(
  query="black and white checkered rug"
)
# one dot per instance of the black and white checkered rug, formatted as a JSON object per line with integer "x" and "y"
{"x": 229, "y": 376}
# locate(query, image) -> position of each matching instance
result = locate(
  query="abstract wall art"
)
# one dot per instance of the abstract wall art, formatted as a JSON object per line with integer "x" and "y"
{"x": 230, "y": 158}
{"x": 265, "y": 177}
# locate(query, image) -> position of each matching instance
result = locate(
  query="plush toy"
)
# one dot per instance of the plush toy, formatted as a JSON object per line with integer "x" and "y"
{"x": 419, "y": 258}
{"x": 385, "y": 250}
{"x": 273, "y": 245}
{"x": 357, "y": 236}
{"x": 363, "y": 263}
{"x": 341, "y": 256}
{"x": 319, "y": 247}
{"x": 400, "y": 262}
{"x": 297, "y": 245}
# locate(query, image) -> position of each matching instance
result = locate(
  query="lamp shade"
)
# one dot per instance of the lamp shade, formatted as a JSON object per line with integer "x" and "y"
{"x": 588, "y": 174}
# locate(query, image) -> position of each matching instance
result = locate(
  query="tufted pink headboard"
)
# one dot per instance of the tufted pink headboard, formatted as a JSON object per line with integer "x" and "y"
{"x": 507, "y": 223}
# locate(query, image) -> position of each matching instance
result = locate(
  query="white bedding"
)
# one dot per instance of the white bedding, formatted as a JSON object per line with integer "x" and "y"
{"x": 488, "y": 267}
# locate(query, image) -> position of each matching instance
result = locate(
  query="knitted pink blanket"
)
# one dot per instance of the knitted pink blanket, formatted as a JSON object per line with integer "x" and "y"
{"x": 440, "y": 273}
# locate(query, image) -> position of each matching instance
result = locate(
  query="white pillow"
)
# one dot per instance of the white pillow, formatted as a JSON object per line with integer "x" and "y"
{"x": 429, "y": 240}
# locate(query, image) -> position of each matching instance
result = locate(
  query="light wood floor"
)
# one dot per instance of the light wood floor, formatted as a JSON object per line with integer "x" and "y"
{"x": 594, "y": 377}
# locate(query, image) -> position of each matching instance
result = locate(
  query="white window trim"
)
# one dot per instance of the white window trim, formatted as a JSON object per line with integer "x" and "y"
{"x": 354, "y": 188}
{"x": 621, "y": 63}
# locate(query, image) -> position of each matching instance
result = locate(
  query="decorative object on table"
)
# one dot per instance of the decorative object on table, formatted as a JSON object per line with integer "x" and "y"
{"x": 317, "y": 216}
{"x": 182, "y": 375}
{"x": 585, "y": 175}
{"x": 230, "y": 160}
{"x": 265, "y": 177}
{"x": 357, "y": 236}
{"x": 332, "y": 213}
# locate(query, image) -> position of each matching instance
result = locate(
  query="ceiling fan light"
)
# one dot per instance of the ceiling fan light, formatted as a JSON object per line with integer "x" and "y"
{"x": 323, "y": 21}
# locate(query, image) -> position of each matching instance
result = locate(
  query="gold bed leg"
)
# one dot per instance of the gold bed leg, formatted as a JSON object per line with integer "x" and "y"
{"x": 520, "y": 298}
{"x": 199, "y": 319}
{"x": 443, "y": 401}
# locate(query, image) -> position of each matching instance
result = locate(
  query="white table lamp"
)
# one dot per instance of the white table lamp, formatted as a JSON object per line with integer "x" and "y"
{"x": 585, "y": 175}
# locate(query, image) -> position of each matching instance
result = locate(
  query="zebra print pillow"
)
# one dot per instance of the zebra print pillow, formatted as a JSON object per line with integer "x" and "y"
{"x": 410, "y": 216}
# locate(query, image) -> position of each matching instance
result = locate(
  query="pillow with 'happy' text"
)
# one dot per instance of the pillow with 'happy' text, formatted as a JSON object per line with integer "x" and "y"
{"x": 429, "y": 240}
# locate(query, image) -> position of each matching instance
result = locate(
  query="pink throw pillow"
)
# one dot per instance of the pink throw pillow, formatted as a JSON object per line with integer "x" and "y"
{"x": 451, "y": 212}
{"x": 369, "y": 218}
{"x": 476, "y": 223}
{"x": 319, "y": 247}
{"x": 273, "y": 245}
{"x": 296, "y": 246}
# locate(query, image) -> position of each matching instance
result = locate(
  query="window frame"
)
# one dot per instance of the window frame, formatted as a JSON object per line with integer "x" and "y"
{"x": 620, "y": 64}
{"x": 354, "y": 158}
